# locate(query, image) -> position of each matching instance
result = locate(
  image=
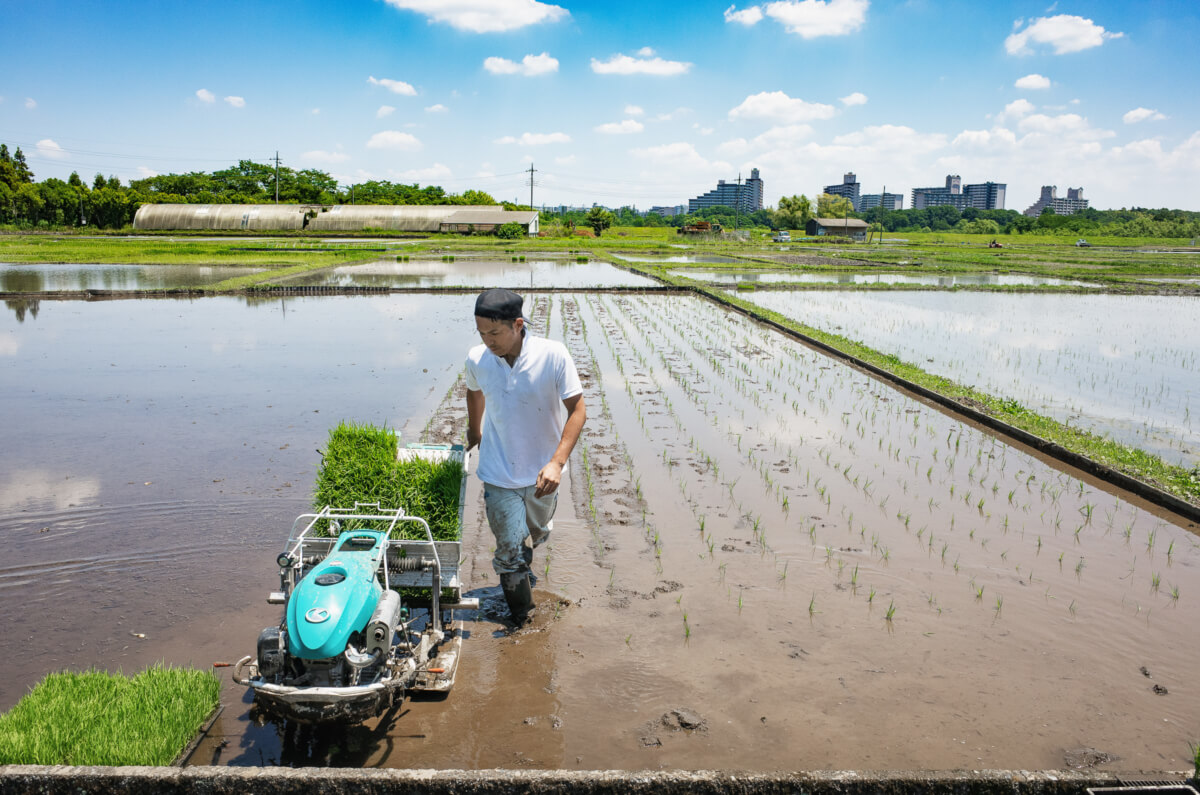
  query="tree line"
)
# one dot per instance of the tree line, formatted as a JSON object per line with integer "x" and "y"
{"x": 107, "y": 203}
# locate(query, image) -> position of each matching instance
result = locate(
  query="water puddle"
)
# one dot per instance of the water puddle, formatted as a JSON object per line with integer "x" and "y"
{"x": 678, "y": 259}
{"x": 19, "y": 278}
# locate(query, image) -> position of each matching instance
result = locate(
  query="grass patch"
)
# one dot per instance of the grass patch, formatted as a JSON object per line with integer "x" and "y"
{"x": 359, "y": 465}
{"x": 98, "y": 718}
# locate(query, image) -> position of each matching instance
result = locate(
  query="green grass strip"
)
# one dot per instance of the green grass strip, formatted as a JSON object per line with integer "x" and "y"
{"x": 1177, "y": 480}
{"x": 359, "y": 465}
{"x": 98, "y": 718}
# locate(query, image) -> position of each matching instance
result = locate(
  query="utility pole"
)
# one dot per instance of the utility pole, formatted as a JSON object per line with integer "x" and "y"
{"x": 277, "y": 176}
{"x": 531, "y": 170}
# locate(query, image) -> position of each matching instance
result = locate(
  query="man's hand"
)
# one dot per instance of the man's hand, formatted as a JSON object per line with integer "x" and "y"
{"x": 548, "y": 479}
{"x": 473, "y": 438}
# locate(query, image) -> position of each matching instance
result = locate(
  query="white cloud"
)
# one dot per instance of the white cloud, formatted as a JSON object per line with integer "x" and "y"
{"x": 206, "y": 96}
{"x": 435, "y": 172}
{"x": 9, "y": 344}
{"x": 384, "y": 111}
{"x": 779, "y": 107}
{"x": 1064, "y": 33}
{"x": 322, "y": 157}
{"x": 50, "y": 149}
{"x": 857, "y": 98}
{"x": 1142, "y": 114}
{"x": 645, "y": 52}
{"x": 810, "y": 19}
{"x": 621, "y": 127}
{"x": 438, "y": 108}
{"x": 998, "y": 138}
{"x": 237, "y": 102}
{"x": 316, "y": 111}
{"x": 1016, "y": 109}
{"x": 144, "y": 173}
{"x": 646, "y": 65}
{"x": 633, "y": 110}
{"x": 395, "y": 86}
{"x": 530, "y": 65}
{"x": 565, "y": 160}
{"x": 536, "y": 139}
{"x": 394, "y": 139}
{"x": 1065, "y": 126}
{"x": 1034, "y": 82}
{"x": 484, "y": 16}
{"x": 30, "y": 103}
{"x": 749, "y": 16}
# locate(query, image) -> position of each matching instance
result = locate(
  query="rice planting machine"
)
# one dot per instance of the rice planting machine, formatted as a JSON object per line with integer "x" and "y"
{"x": 349, "y": 644}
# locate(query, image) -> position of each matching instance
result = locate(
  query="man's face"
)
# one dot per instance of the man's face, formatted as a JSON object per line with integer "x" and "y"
{"x": 502, "y": 337}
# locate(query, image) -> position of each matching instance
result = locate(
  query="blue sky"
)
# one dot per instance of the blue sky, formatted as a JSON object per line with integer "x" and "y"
{"x": 646, "y": 103}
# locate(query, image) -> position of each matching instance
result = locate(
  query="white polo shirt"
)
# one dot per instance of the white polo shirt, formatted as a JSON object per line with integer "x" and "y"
{"x": 523, "y": 411}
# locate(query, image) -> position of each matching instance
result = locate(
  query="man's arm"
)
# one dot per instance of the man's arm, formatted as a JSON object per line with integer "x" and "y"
{"x": 551, "y": 475}
{"x": 475, "y": 404}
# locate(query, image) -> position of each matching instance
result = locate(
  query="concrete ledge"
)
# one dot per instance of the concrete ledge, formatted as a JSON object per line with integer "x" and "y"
{"x": 335, "y": 781}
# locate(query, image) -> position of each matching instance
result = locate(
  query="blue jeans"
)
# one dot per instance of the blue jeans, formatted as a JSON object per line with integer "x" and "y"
{"x": 514, "y": 514}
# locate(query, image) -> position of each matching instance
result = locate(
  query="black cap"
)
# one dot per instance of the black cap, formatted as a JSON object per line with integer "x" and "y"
{"x": 498, "y": 304}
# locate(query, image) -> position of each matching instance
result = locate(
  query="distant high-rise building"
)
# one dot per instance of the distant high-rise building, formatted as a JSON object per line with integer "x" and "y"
{"x": 747, "y": 196}
{"x": 890, "y": 201}
{"x": 1049, "y": 198}
{"x": 668, "y": 211}
{"x": 848, "y": 189}
{"x": 982, "y": 196}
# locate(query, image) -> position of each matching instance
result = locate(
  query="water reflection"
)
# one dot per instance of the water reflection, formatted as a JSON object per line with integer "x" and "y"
{"x": 472, "y": 273}
{"x": 22, "y": 306}
{"x": 930, "y": 280}
{"x": 16, "y": 278}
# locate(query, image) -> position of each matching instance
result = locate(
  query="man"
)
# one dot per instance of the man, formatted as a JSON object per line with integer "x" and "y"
{"x": 524, "y": 436}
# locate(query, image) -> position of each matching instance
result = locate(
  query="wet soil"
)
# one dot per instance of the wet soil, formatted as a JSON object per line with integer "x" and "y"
{"x": 762, "y": 560}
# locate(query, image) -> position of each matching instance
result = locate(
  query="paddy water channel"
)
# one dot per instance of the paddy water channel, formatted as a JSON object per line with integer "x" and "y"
{"x": 815, "y": 570}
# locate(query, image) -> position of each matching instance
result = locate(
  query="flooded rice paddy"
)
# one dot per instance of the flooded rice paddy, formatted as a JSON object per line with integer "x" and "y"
{"x": 21, "y": 278}
{"x": 677, "y": 259}
{"x": 763, "y": 560}
{"x": 1123, "y": 366}
{"x": 474, "y": 273}
{"x": 928, "y": 280}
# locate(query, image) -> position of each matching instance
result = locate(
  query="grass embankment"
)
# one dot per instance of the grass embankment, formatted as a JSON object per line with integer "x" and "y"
{"x": 97, "y": 718}
{"x": 1177, "y": 480}
{"x": 359, "y": 465}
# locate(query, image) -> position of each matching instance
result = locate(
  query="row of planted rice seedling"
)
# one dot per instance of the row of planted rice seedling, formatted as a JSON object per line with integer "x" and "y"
{"x": 1122, "y": 366}
{"x": 851, "y": 488}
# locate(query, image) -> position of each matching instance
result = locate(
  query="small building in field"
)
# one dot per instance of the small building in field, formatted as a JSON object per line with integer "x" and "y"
{"x": 853, "y": 228}
{"x": 463, "y": 219}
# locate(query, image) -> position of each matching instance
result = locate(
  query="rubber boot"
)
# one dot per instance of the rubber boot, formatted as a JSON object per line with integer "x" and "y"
{"x": 518, "y": 595}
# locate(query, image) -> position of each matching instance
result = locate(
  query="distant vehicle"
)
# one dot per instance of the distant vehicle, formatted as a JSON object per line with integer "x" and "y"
{"x": 1083, "y": 243}
{"x": 783, "y": 236}
{"x": 994, "y": 244}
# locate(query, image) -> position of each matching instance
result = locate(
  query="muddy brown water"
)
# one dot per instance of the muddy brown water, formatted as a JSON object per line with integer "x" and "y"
{"x": 768, "y": 560}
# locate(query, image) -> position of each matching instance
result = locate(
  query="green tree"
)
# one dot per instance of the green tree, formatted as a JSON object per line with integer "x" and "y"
{"x": 794, "y": 212}
{"x": 830, "y": 206}
{"x": 599, "y": 219}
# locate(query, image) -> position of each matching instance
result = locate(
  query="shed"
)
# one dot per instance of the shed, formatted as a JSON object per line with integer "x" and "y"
{"x": 221, "y": 216}
{"x": 390, "y": 217}
{"x": 486, "y": 220}
{"x": 854, "y": 228}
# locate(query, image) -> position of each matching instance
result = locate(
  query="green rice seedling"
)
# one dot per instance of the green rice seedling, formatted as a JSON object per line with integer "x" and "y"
{"x": 359, "y": 465}
{"x": 1079, "y": 569}
{"x": 854, "y": 577}
{"x": 999, "y": 605}
{"x": 871, "y": 596}
{"x": 97, "y": 718}
{"x": 812, "y": 606}
{"x": 1170, "y": 550}
{"x": 1174, "y": 593}
{"x": 1150, "y": 540}
{"x": 891, "y": 611}
{"x": 1154, "y": 582}
{"x": 1071, "y": 608}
